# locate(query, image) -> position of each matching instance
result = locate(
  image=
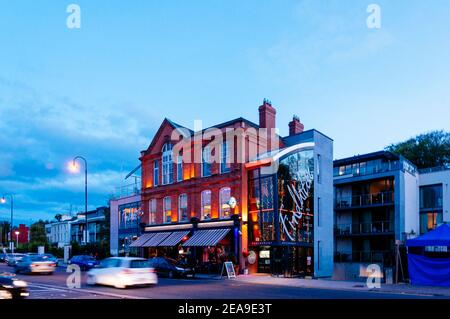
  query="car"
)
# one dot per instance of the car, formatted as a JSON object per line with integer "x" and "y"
{"x": 30, "y": 264}
{"x": 50, "y": 257}
{"x": 84, "y": 261}
{"x": 171, "y": 268}
{"x": 123, "y": 272}
{"x": 12, "y": 259}
{"x": 12, "y": 288}
{"x": 3, "y": 257}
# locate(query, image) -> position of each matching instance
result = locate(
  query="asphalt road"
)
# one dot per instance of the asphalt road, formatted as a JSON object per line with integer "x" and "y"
{"x": 54, "y": 287}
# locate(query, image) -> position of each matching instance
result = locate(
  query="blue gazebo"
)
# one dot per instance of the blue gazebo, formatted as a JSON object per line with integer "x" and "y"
{"x": 427, "y": 270}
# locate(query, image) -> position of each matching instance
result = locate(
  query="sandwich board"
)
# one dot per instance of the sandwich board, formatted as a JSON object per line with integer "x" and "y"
{"x": 229, "y": 267}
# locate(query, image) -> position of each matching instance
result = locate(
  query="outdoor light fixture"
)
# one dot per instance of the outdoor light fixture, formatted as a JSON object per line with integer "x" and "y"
{"x": 3, "y": 200}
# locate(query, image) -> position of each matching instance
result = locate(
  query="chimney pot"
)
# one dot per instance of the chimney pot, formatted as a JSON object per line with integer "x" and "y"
{"x": 295, "y": 126}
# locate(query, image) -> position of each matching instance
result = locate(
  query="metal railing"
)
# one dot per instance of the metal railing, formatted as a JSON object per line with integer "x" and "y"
{"x": 374, "y": 256}
{"x": 382, "y": 198}
{"x": 378, "y": 227}
{"x": 127, "y": 190}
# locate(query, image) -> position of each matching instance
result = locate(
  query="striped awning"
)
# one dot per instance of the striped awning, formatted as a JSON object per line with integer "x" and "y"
{"x": 142, "y": 240}
{"x": 156, "y": 239}
{"x": 206, "y": 237}
{"x": 173, "y": 239}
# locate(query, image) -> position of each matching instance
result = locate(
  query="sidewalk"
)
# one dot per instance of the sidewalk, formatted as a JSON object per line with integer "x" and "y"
{"x": 343, "y": 285}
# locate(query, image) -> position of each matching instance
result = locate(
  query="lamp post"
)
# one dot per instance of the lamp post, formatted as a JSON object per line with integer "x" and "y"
{"x": 3, "y": 201}
{"x": 17, "y": 238}
{"x": 74, "y": 169}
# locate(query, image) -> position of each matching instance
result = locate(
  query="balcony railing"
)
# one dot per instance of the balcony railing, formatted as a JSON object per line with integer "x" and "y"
{"x": 380, "y": 227}
{"x": 127, "y": 190}
{"x": 383, "y": 198}
{"x": 375, "y": 256}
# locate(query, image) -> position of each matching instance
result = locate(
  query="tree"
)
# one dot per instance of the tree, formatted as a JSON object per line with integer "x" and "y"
{"x": 38, "y": 234}
{"x": 425, "y": 150}
{"x": 58, "y": 217}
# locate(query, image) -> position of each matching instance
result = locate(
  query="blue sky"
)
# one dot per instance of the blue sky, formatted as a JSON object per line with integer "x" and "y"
{"x": 102, "y": 91}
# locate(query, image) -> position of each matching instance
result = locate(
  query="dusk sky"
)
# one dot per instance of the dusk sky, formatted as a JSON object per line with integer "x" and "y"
{"x": 101, "y": 91}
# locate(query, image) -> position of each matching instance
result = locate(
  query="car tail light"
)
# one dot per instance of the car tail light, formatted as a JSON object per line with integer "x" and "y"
{"x": 152, "y": 270}
{"x": 52, "y": 265}
{"x": 126, "y": 271}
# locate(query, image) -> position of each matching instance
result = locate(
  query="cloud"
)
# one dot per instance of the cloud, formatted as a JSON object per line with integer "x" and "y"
{"x": 40, "y": 132}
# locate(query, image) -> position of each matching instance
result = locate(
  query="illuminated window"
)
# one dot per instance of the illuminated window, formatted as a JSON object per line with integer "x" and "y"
{"x": 152, "y": 211}
{"x": 224, "y": 198}
{"x": 182, "y": 207}
{"x": 167, "y": 164}
{"x": 206, "y": 204}
{"x": 167, "y": 209}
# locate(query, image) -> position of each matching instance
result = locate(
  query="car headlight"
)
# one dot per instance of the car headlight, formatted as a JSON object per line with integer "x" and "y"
{"x": 179, "y": 269}
{"x": 20, "y": 283}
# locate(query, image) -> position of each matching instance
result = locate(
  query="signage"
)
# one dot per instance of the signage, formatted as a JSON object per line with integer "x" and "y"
{"x": 232, "y": 202}
{"x": 229, "y": 267}
{"x": 251, "y": 257}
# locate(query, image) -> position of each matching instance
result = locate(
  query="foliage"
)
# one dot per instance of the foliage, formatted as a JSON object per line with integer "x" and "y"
{"x": 58, "y": 217}
{"x": 38, "y": 235}
{"x": 425, "y": 150}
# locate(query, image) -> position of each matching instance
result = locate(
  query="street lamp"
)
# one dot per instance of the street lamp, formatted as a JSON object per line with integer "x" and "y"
{"x": 3, "y": 201}
{"x": 73, "y": 168}
{"x": 17, "y": 238}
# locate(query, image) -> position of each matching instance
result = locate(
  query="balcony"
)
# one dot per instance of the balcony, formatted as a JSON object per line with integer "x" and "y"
{"x": 127, "y": 191}
{"x": 355, "y": 201}
{"x": 375, "y": 256}
{"x": 372, "y": 228}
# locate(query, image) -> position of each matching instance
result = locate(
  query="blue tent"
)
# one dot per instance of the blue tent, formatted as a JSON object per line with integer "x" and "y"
{"x": 430, "y": 271}
{"x": 437, "y": 237}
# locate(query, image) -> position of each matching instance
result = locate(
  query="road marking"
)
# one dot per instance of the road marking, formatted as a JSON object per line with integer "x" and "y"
{"x": 83, "y": 290}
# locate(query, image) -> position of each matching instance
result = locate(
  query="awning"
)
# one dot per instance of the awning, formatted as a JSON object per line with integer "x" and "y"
{"x": 173, "y": 239}
{"x": 142, "y": 240}
{"x": 206, "y": 237}
{"x": 156, "y": 239}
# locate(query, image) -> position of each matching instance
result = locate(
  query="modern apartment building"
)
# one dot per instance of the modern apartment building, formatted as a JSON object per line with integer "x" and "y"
{"x": 376, "y": 206}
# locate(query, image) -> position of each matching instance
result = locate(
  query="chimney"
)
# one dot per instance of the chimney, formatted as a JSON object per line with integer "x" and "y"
{"x": 295, "y": 126}
{"x": 267, "y": 115}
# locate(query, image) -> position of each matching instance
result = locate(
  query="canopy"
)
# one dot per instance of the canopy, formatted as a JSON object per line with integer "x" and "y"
{"x": 206, "y": 237}
{"x": 437, "y": 237}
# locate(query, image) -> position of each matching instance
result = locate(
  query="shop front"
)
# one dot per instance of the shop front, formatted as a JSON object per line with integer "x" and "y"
{"x": 205, "y": 245}
{"x": 281, "y": 214}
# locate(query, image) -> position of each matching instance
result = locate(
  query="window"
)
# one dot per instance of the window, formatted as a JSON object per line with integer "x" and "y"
{"x": 319, "y": 165}
{"x": 182, "y": 207}
{"x": 225, "y": 159}
{"x": 167, "y": 164}
{"x": 180, "y": 168}
{"x": 206, "y": 204}
{"x": 431, "y": 197}
{"x": 152, "y": 211}
{"x": 224, "y": 198}
{"x": 318, "y": 212}
{"x": 167, "y": 209}
{"x": 429, "y": 221}
{"x": 206, "y": 162}
{"x": 155, "y": 173}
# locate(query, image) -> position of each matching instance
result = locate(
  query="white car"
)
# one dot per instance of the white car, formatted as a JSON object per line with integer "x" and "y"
{"x": 122, "y": 272}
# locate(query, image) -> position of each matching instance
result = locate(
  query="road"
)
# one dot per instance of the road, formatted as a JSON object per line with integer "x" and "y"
{"x": 54, "y": 287}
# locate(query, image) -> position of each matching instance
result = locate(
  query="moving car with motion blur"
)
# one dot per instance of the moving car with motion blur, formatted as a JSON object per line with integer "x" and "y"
{"x": 12, "y": 288}
{"x": 171, "y": 268}
{"x": 50, "y": 257}
{"x": 35, "y": 264}
{"x": 12, "y": 259}
{"x": 84, "y": 261}
{"x": 123, "y": 272}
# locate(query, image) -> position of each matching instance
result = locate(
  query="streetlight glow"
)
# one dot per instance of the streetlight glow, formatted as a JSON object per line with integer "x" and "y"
{"x": 17, "y": 233}
{"x": 3, "y": 200}
{"x": 73, "y": 167}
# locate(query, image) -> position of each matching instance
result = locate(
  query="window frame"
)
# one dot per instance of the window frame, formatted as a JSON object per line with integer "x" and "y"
{"x": 202, "y": 202}
{"x": 181, "y": 197}
{"x": 221, "y": 213}
{"x": 165, "y": 210}
{"x": 167, "y": 164}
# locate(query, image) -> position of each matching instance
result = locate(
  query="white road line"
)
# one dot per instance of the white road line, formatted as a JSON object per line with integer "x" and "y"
{"x": 83, "y": 290}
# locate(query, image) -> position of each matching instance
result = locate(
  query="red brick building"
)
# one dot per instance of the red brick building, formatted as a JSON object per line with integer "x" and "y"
{"x": 195, "y": 187}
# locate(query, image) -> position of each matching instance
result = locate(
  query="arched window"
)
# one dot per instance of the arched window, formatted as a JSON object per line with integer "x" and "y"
{"x": 182, "y": 208}
{"x": 180, "y": 168}
{"x": 206, "y": 204}
{"x": 224, "y": 198}
{"x": 167, "y": 164}
{"x": 206, "y": 161}
{"x": 167, "y": 209}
